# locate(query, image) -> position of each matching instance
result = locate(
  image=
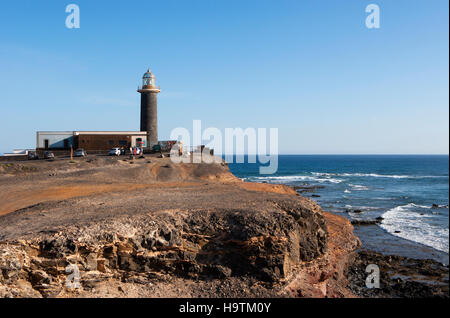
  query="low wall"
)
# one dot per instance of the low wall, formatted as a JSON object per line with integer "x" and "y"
{"x": 13, "y": 158}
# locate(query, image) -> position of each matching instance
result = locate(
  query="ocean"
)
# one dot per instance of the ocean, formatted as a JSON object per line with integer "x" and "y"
{"x": 410, "y": 192}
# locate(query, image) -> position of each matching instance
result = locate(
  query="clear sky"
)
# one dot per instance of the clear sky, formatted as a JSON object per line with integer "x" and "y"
{"x": 310, "y": 68}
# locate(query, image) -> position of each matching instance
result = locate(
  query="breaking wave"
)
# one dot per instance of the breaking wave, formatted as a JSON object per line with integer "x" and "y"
{"x": 357, "y": 187}
{"x": 407, "y": 221}
{"x": 332, "y": 178}
{"x": 287, "y": 179}
{"x": 374, "y": 175}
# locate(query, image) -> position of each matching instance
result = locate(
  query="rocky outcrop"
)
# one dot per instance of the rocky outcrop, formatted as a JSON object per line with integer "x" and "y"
{"x": 202, "y": 244}
{"x": 189, "y": 223}
{"x": 325, "y": 276}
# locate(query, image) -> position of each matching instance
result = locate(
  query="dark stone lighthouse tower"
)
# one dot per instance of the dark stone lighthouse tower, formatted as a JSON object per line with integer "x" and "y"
{"x": 149, "y": 119}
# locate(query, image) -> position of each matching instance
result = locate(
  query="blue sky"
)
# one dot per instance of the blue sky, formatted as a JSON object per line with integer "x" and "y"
{"x": 310, "y": 68}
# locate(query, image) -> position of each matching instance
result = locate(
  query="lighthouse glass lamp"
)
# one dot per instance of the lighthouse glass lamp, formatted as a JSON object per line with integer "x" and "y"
{"x": 148, "y": 79}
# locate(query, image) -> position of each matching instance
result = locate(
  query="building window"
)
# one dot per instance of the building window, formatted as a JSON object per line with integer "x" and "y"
{"x": 111, "y": 142}
{"x": 46, "y": 143}
{"x": 123, "y": 142}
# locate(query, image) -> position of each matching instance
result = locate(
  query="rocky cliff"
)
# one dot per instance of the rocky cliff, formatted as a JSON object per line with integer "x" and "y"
{"x": 155, "y": 229}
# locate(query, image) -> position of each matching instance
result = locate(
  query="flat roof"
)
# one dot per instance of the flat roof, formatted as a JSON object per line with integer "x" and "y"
{"x": 110, "y": 133}
{"x": 78, "y": 132}
{"x": 55, "y": 132}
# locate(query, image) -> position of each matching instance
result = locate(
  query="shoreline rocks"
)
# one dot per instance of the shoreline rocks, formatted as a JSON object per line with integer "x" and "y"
{"x": 399, "y": 277}
{"x": 307, "y": 188}
{"x": 377, "y": 220}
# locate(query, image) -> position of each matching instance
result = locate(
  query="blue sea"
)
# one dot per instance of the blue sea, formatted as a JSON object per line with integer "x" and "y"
{"x": 410, "y": 192}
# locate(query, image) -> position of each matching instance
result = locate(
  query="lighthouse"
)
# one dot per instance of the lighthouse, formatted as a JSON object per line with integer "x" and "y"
{"x": 149, "y": 113}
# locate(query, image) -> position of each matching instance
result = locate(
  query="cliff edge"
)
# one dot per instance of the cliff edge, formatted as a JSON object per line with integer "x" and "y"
{"x": 107, "y": 227}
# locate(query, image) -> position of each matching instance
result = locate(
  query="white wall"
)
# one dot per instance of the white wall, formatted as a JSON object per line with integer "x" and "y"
{"x": 55, "y": 138}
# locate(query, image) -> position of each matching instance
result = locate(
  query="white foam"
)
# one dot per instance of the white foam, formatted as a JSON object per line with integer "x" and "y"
{"x": 413, "y": 205}
{"x": 332, "y": 177}
{"x": 295, "y": 178}
{"x": 374, "y": 175}
{"x": 358, "y": 187}
{"x": 413, "y": 227}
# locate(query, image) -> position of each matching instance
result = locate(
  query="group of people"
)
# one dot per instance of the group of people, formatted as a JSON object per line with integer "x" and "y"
{"x": 136, "y": 151}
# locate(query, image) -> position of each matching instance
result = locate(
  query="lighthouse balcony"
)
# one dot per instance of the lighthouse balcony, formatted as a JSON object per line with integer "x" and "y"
{"x": 148, "y": 88}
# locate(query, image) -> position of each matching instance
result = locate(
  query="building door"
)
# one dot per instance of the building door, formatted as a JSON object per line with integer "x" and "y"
{"x": 46, "y": 143}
